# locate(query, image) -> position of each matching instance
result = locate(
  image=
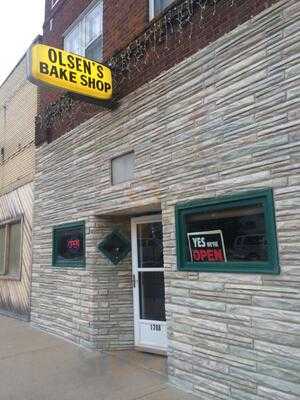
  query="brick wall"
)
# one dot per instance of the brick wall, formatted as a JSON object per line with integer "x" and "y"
{"x": 123, "y": 21}
{"x": 234, "y": 127}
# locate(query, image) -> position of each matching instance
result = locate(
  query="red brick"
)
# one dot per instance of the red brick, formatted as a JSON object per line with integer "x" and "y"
{"x": 124, "y": 20}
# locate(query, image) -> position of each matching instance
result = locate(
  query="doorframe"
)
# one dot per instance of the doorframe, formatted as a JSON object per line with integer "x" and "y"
{"x": 136, "y": 304}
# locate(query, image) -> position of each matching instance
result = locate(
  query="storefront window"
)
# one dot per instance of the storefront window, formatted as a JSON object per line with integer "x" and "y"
{"x": 229, "y": 234}
{"x": 150, "y": 274}
{"x": 69, "y": 245}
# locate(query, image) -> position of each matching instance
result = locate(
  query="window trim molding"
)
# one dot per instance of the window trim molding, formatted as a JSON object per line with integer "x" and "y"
{"x": 67, "y": 264}
{"x": 6, "y": 276}
{"x": 244, "y": 198}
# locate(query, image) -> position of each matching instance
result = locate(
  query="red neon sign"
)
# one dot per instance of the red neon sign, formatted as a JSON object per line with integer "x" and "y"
{"x": 73, "y": 244}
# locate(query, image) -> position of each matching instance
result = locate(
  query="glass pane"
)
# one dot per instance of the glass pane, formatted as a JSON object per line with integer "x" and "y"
{"x": 14, "y": 255}
{"x": 150, "y": 245}
{"x": 73, "y": 43}
{"x": 152, "y": 296}
{"x": 123, "y": 168}
{"x": 232, "y": 234}
{"x": 94, "y": 51}
{"x": 70, "y": 245}
{"x": 160, "y": 5}
{"x": 2, "y": 250}
{"x": 93, "y": 25}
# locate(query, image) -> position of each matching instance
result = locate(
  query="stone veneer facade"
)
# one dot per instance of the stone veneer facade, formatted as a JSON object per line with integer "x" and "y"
{"x": 222, "y": 121}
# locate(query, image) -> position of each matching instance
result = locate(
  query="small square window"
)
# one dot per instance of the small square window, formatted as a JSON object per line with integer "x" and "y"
{"x": 123, "y": 168}
{"x": 69, "y": 245}
{"x": 228, "y": 234}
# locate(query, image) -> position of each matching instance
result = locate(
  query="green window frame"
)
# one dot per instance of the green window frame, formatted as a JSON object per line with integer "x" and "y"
{"x": 264, "y": 197}
{"x": 123, "y": 244}
{"x": 58, "y": 231}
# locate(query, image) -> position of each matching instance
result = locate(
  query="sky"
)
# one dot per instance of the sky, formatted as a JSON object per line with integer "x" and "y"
{"x": 20, "y": 22}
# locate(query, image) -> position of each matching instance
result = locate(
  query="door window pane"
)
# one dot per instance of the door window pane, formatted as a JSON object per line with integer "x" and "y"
{"x": 14, "y": 254}
{"x": 233, "y": 233}
{"x": 150, "y": 245}
{"x": 152, "y": 296}
{"x": 2, "y": 250}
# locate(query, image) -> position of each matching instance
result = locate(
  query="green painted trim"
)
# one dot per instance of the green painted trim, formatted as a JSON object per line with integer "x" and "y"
{"x": 67, "y": 264}
{"x": 265, "y": 196}
{"x": 127, "y": 244}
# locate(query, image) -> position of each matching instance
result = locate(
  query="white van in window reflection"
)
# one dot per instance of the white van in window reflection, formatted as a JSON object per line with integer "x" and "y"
{"x": 249, "y": 248}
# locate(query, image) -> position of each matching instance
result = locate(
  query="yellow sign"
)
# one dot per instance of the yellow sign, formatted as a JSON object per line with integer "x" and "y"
{"x": 69, "y": 71}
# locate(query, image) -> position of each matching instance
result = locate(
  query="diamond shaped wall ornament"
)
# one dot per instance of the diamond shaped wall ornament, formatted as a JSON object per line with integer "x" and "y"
{"x": 115, "y": 247}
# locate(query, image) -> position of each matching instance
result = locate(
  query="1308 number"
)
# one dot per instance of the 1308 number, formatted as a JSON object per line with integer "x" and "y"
{"x": 155, "y": 327}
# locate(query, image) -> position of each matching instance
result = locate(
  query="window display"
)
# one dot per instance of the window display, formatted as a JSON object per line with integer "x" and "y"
{"x": 232, "y": 233}
{"x": 69, "y": 245}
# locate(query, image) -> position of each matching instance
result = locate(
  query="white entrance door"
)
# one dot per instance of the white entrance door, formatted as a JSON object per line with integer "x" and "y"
{"x": 148, "y": 284}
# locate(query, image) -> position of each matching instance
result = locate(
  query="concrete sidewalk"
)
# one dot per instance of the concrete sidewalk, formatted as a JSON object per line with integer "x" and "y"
{"x": 38, "y": 366}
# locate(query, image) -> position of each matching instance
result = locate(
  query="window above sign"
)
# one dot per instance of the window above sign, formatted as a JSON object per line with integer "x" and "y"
{"x": 228, "y": 234}
{"x": 85, "y": 36}
{"x": 69, "y": 245}
{"x": 156, "y": 7}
